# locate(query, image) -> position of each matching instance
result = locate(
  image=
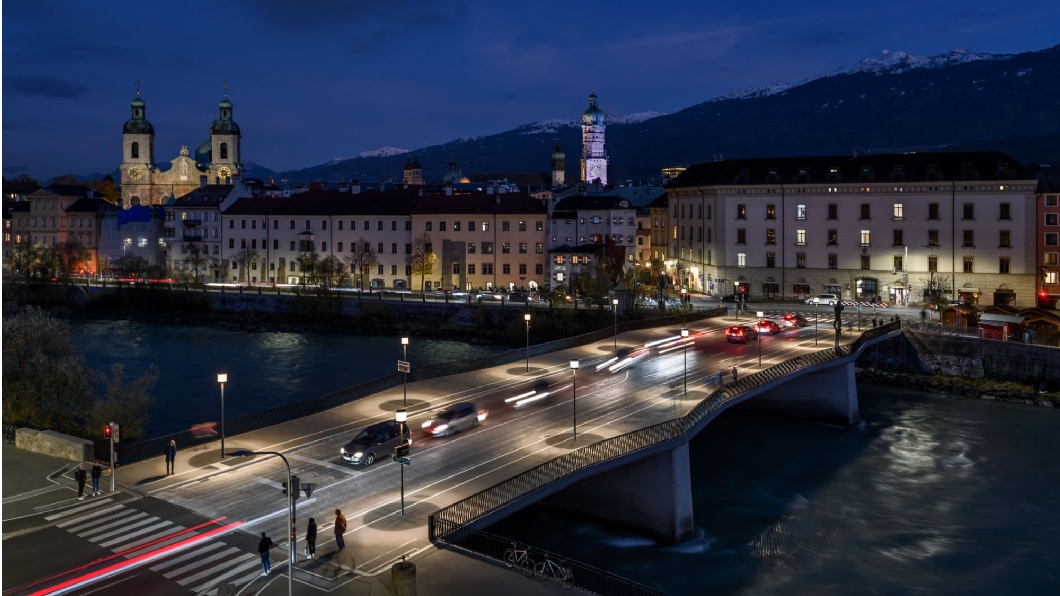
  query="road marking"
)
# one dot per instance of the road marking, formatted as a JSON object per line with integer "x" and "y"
{"x": 133, "y": 526}
{"x": 73, "y": 510}
{"x": 325, "y": 464}
{"x": 200, "y": 562}
{"x": 248, "y": 561}
{"x": 194, "y": 553}
{"x": 267, "y": 482}
{"x": 86, "y": 530}
{"x": 164, "y": 524}
{"x": 124, "y": 548}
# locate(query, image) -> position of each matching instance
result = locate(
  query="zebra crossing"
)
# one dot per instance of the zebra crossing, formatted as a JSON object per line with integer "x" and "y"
{"x": 128, "y": 532}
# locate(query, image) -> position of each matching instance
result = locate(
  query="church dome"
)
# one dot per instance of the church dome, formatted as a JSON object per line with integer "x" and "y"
{"x": 224, "y": 127}
{"x": 558, "y": 154}
{"x": 202, "y": 154}
{"x": 593, "y": 116}
{"x": 138, "y": 124}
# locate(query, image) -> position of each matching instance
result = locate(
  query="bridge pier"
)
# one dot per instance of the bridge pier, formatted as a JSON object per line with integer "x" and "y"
{"x": 829, "y": 394}
{"x": 652, "y": 496}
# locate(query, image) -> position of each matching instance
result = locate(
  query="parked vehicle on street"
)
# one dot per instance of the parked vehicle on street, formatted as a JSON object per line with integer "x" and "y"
{"x": 373, "y": 442}
{"x": 455, "y": 418}
{"x": 829, "y": 299}
{"x": 741, "y": 334}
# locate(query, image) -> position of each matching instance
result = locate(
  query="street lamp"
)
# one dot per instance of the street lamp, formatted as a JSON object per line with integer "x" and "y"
{"x": 222, "y": 378}
{"x": 526, "y": 317}
{"x": 401, "y": 416}
{"x": 614, "y": 309}
{"x": 403, "y": 366}
{"x": 759, "y": 339}
{"x": 574, "y": 402}
{"x": 290, "y": 510}
{"x": 684, "y": 348}
{"x": 816, "y": 301}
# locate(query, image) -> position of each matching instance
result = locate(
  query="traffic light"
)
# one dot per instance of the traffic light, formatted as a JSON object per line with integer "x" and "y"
{"x": 295, "y": 487}
{"x": 106, "y": 432}
{"x": 117, "y": 432}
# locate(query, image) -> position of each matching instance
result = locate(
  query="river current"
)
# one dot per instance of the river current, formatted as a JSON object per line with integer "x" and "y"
{"x": 927, "y": 495}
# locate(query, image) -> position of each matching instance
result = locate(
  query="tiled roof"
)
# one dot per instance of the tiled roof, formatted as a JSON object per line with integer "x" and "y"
{"x": 481, "y": 204}
{"x": 210, "y": 195}
{"x": 590, "y": 203}
{"x": 87, "y": 205}
{"x": 903, "y": 167}
{"x": 397, "y": 202}
{"x": 1048, "y": 179}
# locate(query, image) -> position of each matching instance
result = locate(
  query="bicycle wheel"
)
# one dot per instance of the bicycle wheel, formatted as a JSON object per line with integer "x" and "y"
{"x": 509, "y": 557}
{"x": 541, "y": 571}
{"x": 566, "y": 577}
{"x": 528, "y": 566}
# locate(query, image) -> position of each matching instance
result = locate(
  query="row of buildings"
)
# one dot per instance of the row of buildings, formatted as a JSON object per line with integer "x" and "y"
{"x": 977, "y": 227}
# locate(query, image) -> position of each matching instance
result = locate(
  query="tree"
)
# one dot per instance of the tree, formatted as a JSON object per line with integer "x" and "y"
{"x": 198, "y": 258}
{"x": 246, "y": 258}
{"x": 26, "y": 258}
{"x": 307, "y": 263}
{"x": 361, "y": 260}
{"x": 106, "y": 188}
{"x": 595, "y": 280}
{"x": 423, "y": 259}
{"x": 127, "y": 403}
{"x": 70, "y": 257}
{"x": 935, "y": 288}
{"x": 329, "y": 270}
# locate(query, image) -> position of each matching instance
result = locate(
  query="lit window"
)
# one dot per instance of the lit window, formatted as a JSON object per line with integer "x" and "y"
{"x": 866, "y": 237}
{"x": 741, "y": 259}
{"x": 800, "y": 237}
{"x": 800, "y": 211}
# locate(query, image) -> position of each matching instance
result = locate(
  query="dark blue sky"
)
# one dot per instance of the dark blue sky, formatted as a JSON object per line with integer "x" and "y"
{"x": 316, "y": 80}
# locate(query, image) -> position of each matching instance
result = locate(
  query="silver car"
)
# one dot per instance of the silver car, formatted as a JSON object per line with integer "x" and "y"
{"x": 456, "y": 417}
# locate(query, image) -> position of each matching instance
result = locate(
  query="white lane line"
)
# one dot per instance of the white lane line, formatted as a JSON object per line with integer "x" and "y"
{"x": 248, "y": 561}
{"x": 128, "y": 554}
{"x": 195, "y": 553}
{"x": 81, "y": 509}
{"x": 325, "y": 464}
{"x": 184, "y": 581}
{"x": 86, "y": 533}
{"x": 200, "y": 562}
{"x": 96, "y": 516}
{"x": 140, "y": 532}
{"x": 125, "y": 529}
{"x": 267, "y": 482}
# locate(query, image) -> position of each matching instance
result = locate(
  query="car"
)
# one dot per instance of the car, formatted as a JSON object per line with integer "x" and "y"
{"x": 540, "y": 392}
{"x": 743, "y": 297}
{"x": 793, "y": 320}
{"x": 455, "y": 418}
{"x": 373, "y": 442}
{"x": 740, "y": 334}
{"x": 517, "y": 297}
{"x": 829, "y": 299}
{"x": 623, "y": 358}
{"x": 769, "y": 326}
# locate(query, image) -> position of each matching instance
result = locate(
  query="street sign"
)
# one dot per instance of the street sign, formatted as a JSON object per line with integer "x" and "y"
{"x": 403, "y": 366}
{"x": 402, "y": 460}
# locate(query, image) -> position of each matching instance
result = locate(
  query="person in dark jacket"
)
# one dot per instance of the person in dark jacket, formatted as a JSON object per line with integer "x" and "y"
{"x": 80, "y": 476}
{"x": 264, "y": 545}
{"x": 171, "y": 455}
{"x": 311, "y": 539}
{"x": 340, "y": 529}
{"x": 97, "y": 473}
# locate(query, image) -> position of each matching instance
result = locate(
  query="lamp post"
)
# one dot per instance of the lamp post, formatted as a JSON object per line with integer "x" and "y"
{"x": 526, "y": 317}
{"x": 758, "y": 338}
{"x": 222, "y": 378}
{"x": 683, "y": 305}
{"x": 614, "y": 309}
{"x": 401, "y": 416}
{"x": 574, "y": 402}
{"x": 403, "y": 366}
{"x": 290, "y": 511}
{"x": 684, "y": 348}
{"x": 816, "y": 301}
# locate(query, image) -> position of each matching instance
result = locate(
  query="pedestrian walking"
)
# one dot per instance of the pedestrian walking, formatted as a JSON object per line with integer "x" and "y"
{"x": 734, "y": 374}
{"x": 311, "y": 539}
{"x": 340, "y": 529}
{"x": 80, "y": 476}
{"x": 264, "y": 545}
{"x": 97, "y": 473}
{"x": 171, "y": 456}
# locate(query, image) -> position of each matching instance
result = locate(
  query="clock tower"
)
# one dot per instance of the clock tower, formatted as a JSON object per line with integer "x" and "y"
{"x": 559, "y": 167}
{"x": 138, "y": 154}
{"x": 594, "y": 159}
{"x": 224, "y": 146}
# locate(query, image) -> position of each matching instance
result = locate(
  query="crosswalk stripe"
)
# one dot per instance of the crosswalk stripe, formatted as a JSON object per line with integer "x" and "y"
{"x": 162, "y": 524}
{"x": 251, "y": 561}
{"x": 90, "y": 515}
{"x": 200, "y": 562}
{"x": 246, "y": 579}
{"x": 86, "y": 531}
{"x": 80, "y": 509}
{"x": 125, "y": 548}
{"x": 195, "y": 553}
{"x": 101, "y": 519}
{"x": 124, "y": 530}
{"x": 185, "y": 581}
{"x": 326, "y": 464}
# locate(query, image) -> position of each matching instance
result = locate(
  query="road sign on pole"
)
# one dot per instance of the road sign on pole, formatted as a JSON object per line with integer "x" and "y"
{"x": 402, "y": 460}
{"x": 403, "y": 366}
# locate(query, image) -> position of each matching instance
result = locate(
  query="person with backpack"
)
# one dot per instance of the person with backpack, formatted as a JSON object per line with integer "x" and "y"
{"x": 340, "y": 529}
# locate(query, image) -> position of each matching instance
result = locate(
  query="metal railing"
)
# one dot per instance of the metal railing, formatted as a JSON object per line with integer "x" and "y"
{"x": 452, "y": 524}
{"x": 153, "y": 447}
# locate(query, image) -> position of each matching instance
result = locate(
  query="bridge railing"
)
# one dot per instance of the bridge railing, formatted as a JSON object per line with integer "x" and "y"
{"x": 452, "y": 524}
{"x": 192, "y": 438}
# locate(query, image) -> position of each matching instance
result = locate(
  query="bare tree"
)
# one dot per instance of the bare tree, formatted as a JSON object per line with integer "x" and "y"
{"x": 198, "y": 258}
{"x": 70, "y": 257}
{"x": 329, "y": 270}
{"x": 361, "y": 260}
{"x": 245, "y": 258}
{"x": 307, "y": 263}
{"x": 26, "y": 258}
{"x": 423, "y": 259}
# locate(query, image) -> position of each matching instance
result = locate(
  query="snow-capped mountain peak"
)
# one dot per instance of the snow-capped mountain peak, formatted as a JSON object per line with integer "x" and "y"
{"x": 888, "y": 62}
{"x": 383, "y": 152}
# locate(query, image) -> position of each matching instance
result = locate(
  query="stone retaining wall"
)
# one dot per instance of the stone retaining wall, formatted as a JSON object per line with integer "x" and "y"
{"x": 52, "y": 443}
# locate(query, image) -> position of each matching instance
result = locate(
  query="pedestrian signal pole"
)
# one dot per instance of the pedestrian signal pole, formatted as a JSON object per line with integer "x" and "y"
{"x": 111, "y": 432}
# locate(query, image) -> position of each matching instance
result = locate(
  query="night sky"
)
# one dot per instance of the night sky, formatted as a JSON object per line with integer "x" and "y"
{"x": 316, "y": 80}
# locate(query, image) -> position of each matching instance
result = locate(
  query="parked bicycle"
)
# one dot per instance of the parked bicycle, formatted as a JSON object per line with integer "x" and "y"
{"x": 549, "y": 569}
{"x": 9, "y": 434}
{"x": 520, "y": 557}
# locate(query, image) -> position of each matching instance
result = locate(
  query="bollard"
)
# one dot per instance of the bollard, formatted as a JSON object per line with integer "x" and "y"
{"x": 403, "y": 578}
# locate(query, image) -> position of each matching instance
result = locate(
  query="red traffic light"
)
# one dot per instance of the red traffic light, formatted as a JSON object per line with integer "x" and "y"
{"x": 106, "y": 432}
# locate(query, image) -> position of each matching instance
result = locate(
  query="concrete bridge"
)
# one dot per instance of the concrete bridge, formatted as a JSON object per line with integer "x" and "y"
{"x": 641, "y": 480}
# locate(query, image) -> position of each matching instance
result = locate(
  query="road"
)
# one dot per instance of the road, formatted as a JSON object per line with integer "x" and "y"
{"x": 241, "y": 496}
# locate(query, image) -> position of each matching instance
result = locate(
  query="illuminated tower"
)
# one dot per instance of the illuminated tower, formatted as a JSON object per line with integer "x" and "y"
{"x": 138, "y": 154}
{"x": 594, "y": 159}
{"x": 559, "y": 167}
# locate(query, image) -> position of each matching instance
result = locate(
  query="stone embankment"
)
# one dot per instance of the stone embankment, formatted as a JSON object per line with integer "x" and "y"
{"x": 961, "y": 387}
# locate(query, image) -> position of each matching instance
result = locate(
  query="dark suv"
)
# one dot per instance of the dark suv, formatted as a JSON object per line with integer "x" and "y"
{"x": 378, "y": 440}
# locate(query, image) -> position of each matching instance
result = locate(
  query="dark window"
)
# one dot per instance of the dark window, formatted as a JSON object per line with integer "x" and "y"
{"x": 933, "y": 210}
{"x": 933, "y": 264}
{"x": 969, "y": 211}
{"x": 800, "y": 260}
{"x": 969, "y": 238}
{"x": 833, "y": 261}
{"x": 898, "y": 240}
{"x": 969, "y": 265}
{"x": 1003, "y": 240}
{"x": 505, "y": 226}
{"x": 224, "y": 150}
{"x": 771, "y": 236}
{"x": 1003, "y": 265}
{"x": 833, "y": 237}
{"x": 134, "y": 151}
{"x": 866, "y": 212}
{"x": 741, "y": 236}
{"x": 1005, "y": 213}
{"x": 771, "y": 259}
{"x": 771, "y": 211}
{"x": 933, "y": 237}
{"x": 833, "y": 211}
{"x": 865, "y": 262}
